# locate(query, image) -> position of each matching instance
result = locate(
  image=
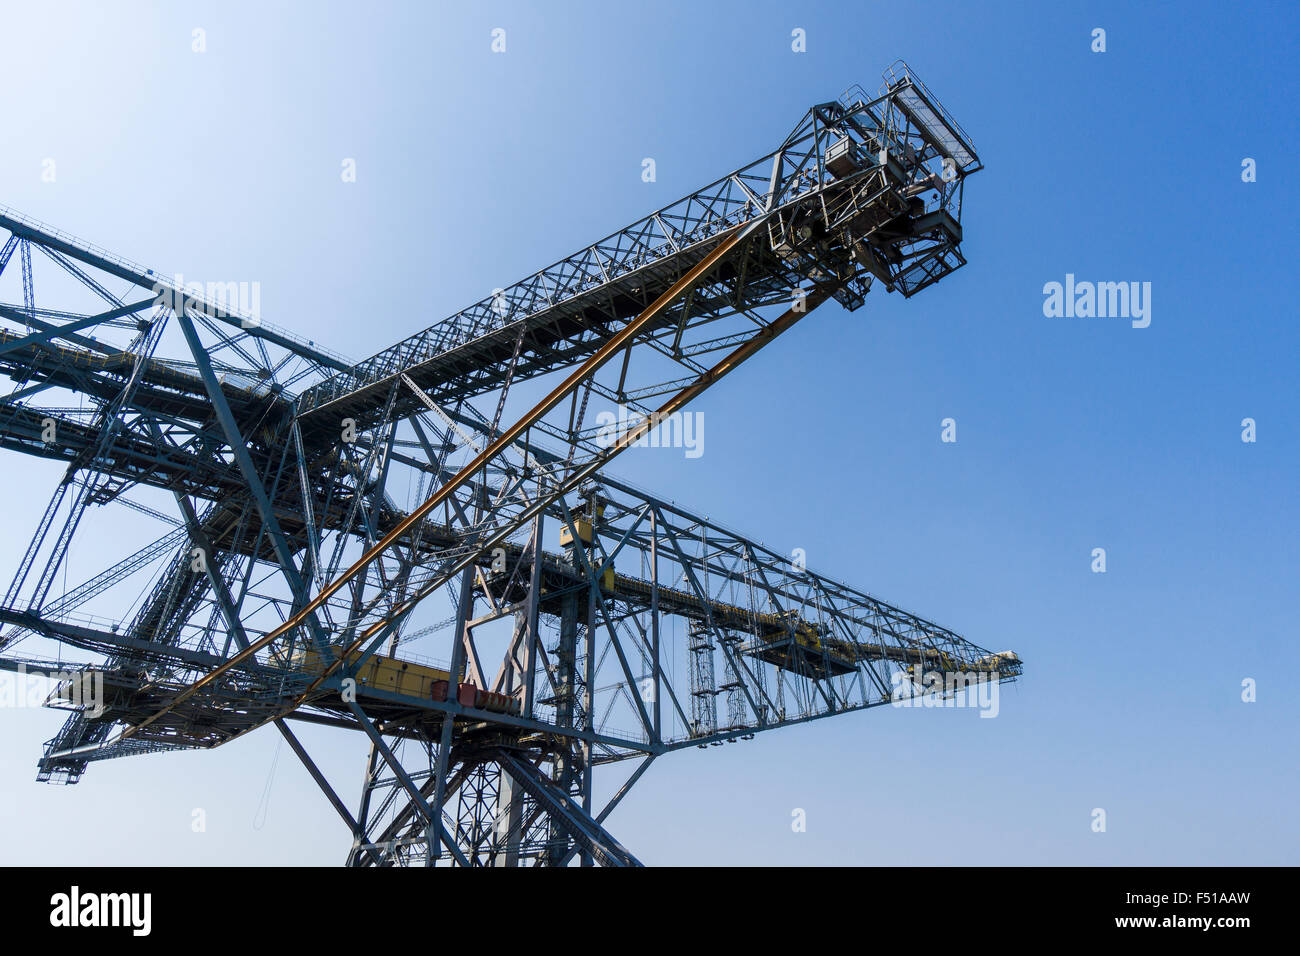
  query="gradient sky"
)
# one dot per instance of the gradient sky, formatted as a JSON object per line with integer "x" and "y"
{"x": 476, "y": 168}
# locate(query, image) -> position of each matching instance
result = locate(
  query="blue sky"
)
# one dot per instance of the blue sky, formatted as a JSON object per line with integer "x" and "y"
{"x": 476, "y": 168}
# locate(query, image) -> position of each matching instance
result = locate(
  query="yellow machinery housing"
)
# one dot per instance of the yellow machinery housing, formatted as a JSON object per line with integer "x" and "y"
{"x": 390, "y": 674}
{"x": 586, "y": 535}
{"x": 584, "y": 532}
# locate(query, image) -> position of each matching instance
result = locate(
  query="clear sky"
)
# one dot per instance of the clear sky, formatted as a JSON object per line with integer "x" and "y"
{"x": 475, "y": 168}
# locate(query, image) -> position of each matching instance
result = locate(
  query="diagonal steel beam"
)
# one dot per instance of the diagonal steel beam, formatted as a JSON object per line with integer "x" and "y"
{"x": 589, "y": 835}
{"x": 430, "y": 816}
{"x": 75, "y": 326}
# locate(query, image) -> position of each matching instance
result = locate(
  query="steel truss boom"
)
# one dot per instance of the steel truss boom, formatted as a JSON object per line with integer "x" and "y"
{"x": 319, "y": 519}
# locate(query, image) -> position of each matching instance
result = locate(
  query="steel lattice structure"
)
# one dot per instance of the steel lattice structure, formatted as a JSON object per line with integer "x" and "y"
{"x": 318, "y": 519}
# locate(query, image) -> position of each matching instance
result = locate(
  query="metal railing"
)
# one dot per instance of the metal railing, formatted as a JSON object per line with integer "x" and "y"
{"x": 900, "y": 74}
{"x": 247, "y": 320}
